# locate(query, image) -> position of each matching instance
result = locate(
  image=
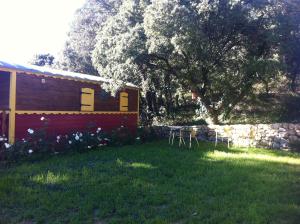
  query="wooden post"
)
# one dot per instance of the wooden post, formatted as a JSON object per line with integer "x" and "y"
{"x": 12, "y": 107}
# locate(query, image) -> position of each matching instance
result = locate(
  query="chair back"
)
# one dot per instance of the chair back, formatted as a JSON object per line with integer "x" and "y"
{"x": 228, "y": 131}
{"x": 193, "y": 132}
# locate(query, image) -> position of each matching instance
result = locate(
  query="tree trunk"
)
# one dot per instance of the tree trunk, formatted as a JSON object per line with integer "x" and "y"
{"x": 212, "y": 112}
{"x": 215, "y": 117}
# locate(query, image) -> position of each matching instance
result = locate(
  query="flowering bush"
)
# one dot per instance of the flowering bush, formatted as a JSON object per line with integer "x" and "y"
{"x": 38, "y": 144}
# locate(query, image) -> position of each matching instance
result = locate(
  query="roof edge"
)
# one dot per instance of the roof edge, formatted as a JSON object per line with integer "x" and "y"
{"x": 41, "y": 70}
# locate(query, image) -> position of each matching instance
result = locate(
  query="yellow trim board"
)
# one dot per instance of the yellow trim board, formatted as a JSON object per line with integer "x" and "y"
{"x": 12, "y": 107}
{"x": 72, "y": 112}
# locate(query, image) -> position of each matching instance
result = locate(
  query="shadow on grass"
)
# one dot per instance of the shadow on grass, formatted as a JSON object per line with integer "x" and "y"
{"x": 152, "y": 183}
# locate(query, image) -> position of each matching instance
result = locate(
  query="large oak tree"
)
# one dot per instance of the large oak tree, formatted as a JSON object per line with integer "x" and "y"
{"x": 219, "y": 49}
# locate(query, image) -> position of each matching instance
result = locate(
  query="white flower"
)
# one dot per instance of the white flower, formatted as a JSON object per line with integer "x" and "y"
{"x": 138, "y": 138}
{"x": 98, "y": 130}
{"x": 30, "y": 131}
{"x": 80, "y": 134}
{"x": 106, "y": 139}
{"x": 89, "y": 147}
{"x": 1, "y": 139}
{"x": 70, "y": 142}
{"x": 92, "y": 134}
{"x": 7, "y": 145}
{"x": 58, "y": 137}
{"x": 30, "y": 151}
{"x": 42, "y": 118}
{"x": 122, "y": 126}
{"x": 77, "y": 138}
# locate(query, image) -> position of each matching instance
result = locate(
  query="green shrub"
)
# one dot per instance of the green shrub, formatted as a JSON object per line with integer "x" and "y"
{"x": 146, "y": 134}
{"x": 121, "y": 136}
{"x": 191, "y": 123}
{"x": 295, "y": 145}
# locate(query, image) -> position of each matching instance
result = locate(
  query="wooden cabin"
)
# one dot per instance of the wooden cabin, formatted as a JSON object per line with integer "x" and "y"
{"x": 68, "y": 101}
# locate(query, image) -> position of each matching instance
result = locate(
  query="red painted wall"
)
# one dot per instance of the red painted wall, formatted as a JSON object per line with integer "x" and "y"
{"x": 69, "y": 123}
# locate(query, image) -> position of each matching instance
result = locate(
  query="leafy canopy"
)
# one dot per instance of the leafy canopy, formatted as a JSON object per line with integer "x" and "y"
{"x": 217, "y": 48}
{"x": 76, "y": 55}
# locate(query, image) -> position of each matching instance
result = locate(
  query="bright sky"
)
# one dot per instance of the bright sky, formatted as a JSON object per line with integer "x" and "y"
{"x": 29, "y": 27}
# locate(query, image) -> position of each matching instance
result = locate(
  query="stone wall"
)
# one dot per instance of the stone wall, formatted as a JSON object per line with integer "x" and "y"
{"x": 276, "y": 136}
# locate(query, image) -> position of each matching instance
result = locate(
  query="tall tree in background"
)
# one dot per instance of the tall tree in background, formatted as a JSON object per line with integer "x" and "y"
{"x": 289, "y": 29}
{"x": 121, "y": 54}
{"x": 217, "y": 48}
{"x": 43, "y": 60}
{"x": 76, "y": 55}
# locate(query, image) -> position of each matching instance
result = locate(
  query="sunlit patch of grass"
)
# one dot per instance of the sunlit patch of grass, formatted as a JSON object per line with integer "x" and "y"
{"x": 135, "y": 164}
{"x": 220, "y": 155}
{"x": 50, "y": 178}
{"x": 141, "y": 165}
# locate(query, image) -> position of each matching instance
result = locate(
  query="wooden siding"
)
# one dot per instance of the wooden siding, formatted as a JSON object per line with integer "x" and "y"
{"x": 4, "y": 90}
{"x": 64, "y": 95}
{"x": 132, "y": 99}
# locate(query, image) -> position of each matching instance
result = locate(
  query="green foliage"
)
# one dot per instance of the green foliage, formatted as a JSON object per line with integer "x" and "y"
{"x": 267, "y": 108}
{"x": 289, "y": 29}
{"x": 121, "y": 136}
{"x": 43, "y": 60}
{"x": 146, "y": 134}
{"x": 154, "y": 183}
{"x": 191, "y": 122}
{"x": 121, "y": 54}
{"x": 218, "y": 49}
{"x": 295, "y": 145}
{"x": 76, "y": 55}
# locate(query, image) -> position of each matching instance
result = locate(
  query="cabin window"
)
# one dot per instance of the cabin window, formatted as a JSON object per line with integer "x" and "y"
{"x": 87, "y": 99}
{"x": 123, "y": 101}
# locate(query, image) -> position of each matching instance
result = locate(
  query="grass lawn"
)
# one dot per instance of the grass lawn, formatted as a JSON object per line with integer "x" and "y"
{"x": 154, "y": 183}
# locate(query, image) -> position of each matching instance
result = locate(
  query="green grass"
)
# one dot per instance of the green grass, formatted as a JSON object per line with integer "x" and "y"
{"x": 154, "y": 183}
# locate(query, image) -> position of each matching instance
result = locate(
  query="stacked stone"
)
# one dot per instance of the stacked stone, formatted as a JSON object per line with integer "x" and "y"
{"x": 276, "y": 136}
